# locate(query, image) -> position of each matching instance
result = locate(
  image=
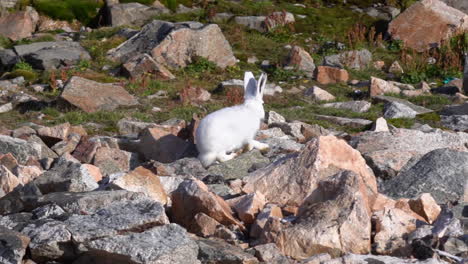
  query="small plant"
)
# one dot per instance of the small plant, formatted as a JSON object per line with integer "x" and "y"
{"x": 171, "y": 4}
{"x": 200, "y": 65}
{"x": 22, "y": 65}
{"x": 396, "y": 45}
{"x": 83, "y": 65}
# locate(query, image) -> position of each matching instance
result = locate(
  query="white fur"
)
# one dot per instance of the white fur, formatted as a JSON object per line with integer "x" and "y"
{"x": 232, "y": 128}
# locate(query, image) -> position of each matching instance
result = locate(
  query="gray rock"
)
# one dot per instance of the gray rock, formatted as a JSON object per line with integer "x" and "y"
{"x": 221, "y": 17}
{"x": 371, "y": 259}
{"x": 274, "y": 117}
{"x": 218, "y": 251}
{"x": 66, "y": 176}
{"x": 46, "y": 152}
{"x": 170, "y": 183}
{"x": 8, "y": 59}
{"x": 465, "y": 72}
{"x": 52, "y": 55}
{"x": 23, "y": 131}
{"x": 458, "y": 4}
{"x": 388, "y": 99}
{"x": 274, "y": 132}
{"x": 67, "y": 146}
{"x": 16, "y": 222}
{"x": 270, "y": 253}
{"x": 388, "y": 152}
{"x": 355, "y": 59}
{"x": 252, "y": 22}
{"x": 12, "y": 246}
{"x": 48, "y": 211}
{"x": 221, "y": 190}
{"x": 163, "y": 244}
{"x": 133, "y": 14}
{"x": 20, "y": 149}
{"x": 441, "y": 172}
{"x": 52, "y": 239}
{"x": 127, "y": 32}
{"x": 8, "y": 3}
{"x": 131, "y": 127}
{"x": 461, "y": 109}
{"x": 184, "y": 167}
{"x": 455, "y": 122}
{"x": 398, "y": 110}
{"x": 239, "y": 166}
{"x": 343, "y": 121}
{"x": 301, "y": 60}
{"x": 281, "y": 145}
{"x": 87, "y": 202}
{"x": 231, "y": 84}
{"x": 176, "y": 44}
{"x": 355, "y": 106}
{"x": 19, "y": 199}
{"x": 6, "y": 108}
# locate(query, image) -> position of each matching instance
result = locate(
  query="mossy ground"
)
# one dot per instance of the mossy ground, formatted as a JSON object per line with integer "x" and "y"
{"x": 323, "y": 23}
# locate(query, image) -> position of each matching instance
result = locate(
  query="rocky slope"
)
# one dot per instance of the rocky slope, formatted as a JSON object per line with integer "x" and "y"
{"x": 368, "y": 158}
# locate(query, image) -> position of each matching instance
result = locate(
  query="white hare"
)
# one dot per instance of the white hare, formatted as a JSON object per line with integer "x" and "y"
{"x": 232, "y": 128}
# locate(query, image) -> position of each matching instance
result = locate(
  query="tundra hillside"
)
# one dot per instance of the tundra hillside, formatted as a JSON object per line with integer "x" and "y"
{"x": 366, "y": 119}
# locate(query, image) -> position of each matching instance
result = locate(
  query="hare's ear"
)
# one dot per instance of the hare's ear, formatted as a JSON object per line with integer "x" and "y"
{"x": 261, "y": 85}
{"x": 250, "y": 85}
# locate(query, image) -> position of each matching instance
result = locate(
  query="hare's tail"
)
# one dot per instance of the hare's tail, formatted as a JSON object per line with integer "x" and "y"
{"x": 207, "y": 159}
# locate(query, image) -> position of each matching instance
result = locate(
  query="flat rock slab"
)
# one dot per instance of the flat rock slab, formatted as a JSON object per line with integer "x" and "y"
{"x": 355, "y": 106}
{"x": 456, "y": 122}
{"x": 343, "y": 121}
{"x": 163, "y": 244}
{"x": 91, "y": 96}
{"x": 239, "y": 166}
{"x": 441, "y": 172}
{"x": 388, "y": 99}
{"x": 52, "y": 55}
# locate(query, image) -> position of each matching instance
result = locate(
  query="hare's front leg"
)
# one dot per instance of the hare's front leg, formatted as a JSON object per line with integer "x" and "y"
{"x": 258, "y": 145}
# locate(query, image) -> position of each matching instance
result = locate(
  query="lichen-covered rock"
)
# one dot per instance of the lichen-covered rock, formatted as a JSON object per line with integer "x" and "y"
{"x": 12, "y": 246}
{"x": 19, "y": 25}
{"x": 354, "y": 59}
{"x": 20, "y": 149}
{"x": 132, "y": 14}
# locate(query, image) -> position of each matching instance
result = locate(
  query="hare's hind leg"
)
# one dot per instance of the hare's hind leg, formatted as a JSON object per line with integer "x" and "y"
{"x": 207, "y": 159}
{"x": 223, "y": 157}
{"x": 258, "y": 145}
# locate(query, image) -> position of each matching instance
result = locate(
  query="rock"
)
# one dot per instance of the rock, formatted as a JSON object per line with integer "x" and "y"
{"x": 355, "y": 59}
{"x": 85, "y": 150}
{"x": 270, "y": 253}
{"x": 416, "y": 108}
{"x": 426, "y": 207}
{"x": 194, "y": 95}
{"x": 143, "y": 64}
{"x": 457, "y": 246}
{"x": 8, "y": 59}
{"x": 277, "y": 19}
{"x": 185, "y": 167}
{"x": 440, "y": 172}
{"x": 461, "y": 109}
{"x": 48, "y": 211}
{"x": 141, "y": 180}
{"x": 48, "y": 24}
{"x": 380, "y": 87}
{"x": 91, "y": 96}
{"x": 249, "y": 206}
{"x": 6, "y": 108}
{"x": 162, "y": 244}
{"x": 273, "y": 117}
{"x": 19, "y": 25}
{"x": 20, "y": 149}
{"x": 52, "y": 135}
{"x": 319, "y": 94}
{"x": 412, "y": 93}
{"x": 8, "y": 4}
{"x": 67, "y": 146}
{"x": 26, "y": 174}
{"x": 412, "y": 29}
{"x": 111, "y": 161}
{"x": 204, "y": 225}
{"x": 8, "y": 181}
{"x": 238, "y": 167}
{"x": 269, "y": 211}
{"x": 301, "y": 60}
{"x": 221, "y": 17}
{"x": 13, "y": 246}
{"x": 192, "y": 197}
{"x": 219, "y": 252}
{"x": 271, "y": 89}
{"x": 8, "y": 161}
{"x": 388, "y": 152}
{"x": 369, "y": 259}
{"x": 19, "y": 199}
{"x": 281, "y": 145}
{"x": 465, "y": 75}
{"x": 458, "y": 4}
{"x": 311, "y": 131}
{"x": 392, "y": 226}
{"x": 327, "y": 75}
{"x": 379, "y": 65}
{"x": 133, "y": 14}
{"x": 46, "y": 152}
{"x": 334, "y": 219}
{"x": 343, "y": 121}
{"x": 24, "y": 131}
{"x": 52, "y": 55}
{"x": 398, "y": 110}
{"x": 252, "y": 22}
{"x": 174, "y": 45}
{"x": 291, "y": 180}
{"x": 380, "y": 125}
{"x": 66, "y": 176}
{"x": 455, "y": 122}
{"x": 274, "y": 132}
{"x": 161, "y": 143}
{"x": 395, "y": 68}
{"x": 86, "y": 202}
{"x": 355, "y": 106}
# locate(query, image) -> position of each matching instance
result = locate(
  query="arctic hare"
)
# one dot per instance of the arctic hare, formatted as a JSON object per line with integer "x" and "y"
{"x": 232, "y": 128}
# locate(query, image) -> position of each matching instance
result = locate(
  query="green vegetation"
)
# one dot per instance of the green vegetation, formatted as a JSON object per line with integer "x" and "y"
{"x": 145, "y": 2}
{"x": 83, "y": 10}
